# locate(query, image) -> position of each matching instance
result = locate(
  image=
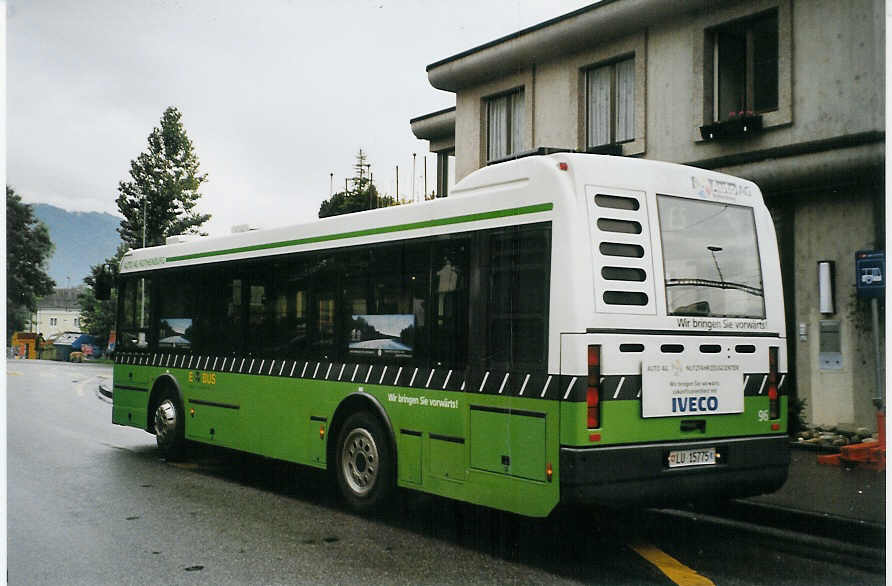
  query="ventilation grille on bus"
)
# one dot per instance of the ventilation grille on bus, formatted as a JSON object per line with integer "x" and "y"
{"x": 623, "y": 279}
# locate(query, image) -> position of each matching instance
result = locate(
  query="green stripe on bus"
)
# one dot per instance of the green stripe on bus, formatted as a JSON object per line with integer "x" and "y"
{"x": 531, "y": 209}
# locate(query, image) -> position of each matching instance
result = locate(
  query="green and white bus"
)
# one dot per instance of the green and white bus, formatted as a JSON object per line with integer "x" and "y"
{"x": 564, "y": 328}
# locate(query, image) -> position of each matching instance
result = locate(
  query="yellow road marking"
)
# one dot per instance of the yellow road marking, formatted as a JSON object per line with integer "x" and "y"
{"x": 674, "y": 569}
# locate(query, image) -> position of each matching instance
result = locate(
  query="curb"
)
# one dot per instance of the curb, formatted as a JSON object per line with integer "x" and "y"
{"x": 104, "y": 391}
{"x": 822, "y": 449}
{"x": 854, "y": 555}
{"x": 878, "y": 528}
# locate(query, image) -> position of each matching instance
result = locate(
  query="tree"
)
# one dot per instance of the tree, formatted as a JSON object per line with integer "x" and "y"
{"x": 363, "y": 196}
{"x": 160, "y": 199}
{"x": 28, "y": 247}
{"x": 98, "y": 317}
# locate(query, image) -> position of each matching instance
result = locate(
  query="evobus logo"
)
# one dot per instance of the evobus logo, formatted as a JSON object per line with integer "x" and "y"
{"x": 713, "y": 188}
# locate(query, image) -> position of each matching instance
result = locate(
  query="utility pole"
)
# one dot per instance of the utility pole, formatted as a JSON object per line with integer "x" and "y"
{"x": 425, "y": 176}
{"x": 331, "y": 184}
{"x": 397, "y": 182}
{"x": 413, "y": 177}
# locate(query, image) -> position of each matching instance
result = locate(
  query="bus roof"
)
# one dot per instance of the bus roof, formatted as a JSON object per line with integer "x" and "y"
{"x": 520, "y": 191}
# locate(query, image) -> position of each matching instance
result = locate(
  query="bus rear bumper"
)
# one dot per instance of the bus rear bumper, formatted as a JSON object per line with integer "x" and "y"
{"x": 640, "y": 475}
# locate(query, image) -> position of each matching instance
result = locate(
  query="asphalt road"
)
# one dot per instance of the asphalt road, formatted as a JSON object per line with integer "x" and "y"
{"x": 91, "y": 503}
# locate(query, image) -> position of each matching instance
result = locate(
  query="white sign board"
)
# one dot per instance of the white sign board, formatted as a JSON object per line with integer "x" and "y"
{"x": 691, "y": 388}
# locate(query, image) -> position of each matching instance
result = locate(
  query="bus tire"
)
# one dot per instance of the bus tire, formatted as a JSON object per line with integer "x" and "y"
{"x": 364, "y": 462}
{"x": 169, "y": 424}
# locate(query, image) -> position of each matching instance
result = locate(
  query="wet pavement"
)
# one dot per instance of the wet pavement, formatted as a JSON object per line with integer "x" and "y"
{"x": 851, "y": 493}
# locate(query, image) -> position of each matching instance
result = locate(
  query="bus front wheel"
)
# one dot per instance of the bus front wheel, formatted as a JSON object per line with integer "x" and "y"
{"x": 170, "y": 424}
{"x": 364, "y": 462}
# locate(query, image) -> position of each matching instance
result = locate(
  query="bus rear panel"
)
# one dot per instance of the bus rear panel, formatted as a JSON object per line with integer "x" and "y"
{"x": 681, "y": 364}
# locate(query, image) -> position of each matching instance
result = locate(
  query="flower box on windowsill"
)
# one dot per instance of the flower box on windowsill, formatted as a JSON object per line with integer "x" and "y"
{"x": 615, "y": 149}
{"x": 735, "y": 127}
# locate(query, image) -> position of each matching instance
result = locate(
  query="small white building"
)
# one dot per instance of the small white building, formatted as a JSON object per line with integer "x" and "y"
{"x": 57, "y": 313}
{"x": 50, "y": 321}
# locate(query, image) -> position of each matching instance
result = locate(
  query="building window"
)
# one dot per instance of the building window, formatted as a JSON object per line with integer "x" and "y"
{"x": 504, "y": 125}
{"x": 54, "y": 321}
{"x": 745, "y": 66}
{"x": 77, "y": 322}
{"x": 610, "y": 103}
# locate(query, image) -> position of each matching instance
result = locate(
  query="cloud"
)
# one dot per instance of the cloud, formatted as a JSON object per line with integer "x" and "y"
{"x": 276, "y": 96}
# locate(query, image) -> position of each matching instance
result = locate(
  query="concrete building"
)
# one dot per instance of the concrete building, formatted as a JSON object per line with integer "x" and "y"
{"x": 787, "y": 93}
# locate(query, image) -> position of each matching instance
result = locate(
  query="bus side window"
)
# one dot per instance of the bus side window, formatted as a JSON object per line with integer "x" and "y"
{"x": 517, "y": 308}
{"x": 416, "y": 288}
{"x": 385, "y": 272}
{"x": 296, "y": 325}
{"x": 134, "y": 318}
{"x": 378, "y": 317}
{"x": 450, "y": 268}
{"x": 323, "y": 273}
{"x": 176, "y": 311}
{"x": 257, "y": 294}
{"x": 277, "y": 324}
{"x": 231, "y": 336}
{"x": 214, "y": 292}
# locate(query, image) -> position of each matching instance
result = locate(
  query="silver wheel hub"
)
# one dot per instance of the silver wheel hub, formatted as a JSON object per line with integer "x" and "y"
{"x": 359, "y": 461}
{"x": 165, "y": 421}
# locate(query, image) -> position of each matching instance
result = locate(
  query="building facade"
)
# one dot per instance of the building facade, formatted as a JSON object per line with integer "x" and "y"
{"x": 53, "y": 320}
{"x": 57, "y": 313}
{"x": 787, "y": 93}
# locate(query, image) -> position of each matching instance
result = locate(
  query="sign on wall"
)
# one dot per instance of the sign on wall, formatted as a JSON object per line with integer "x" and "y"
{"x": 870, "y": 273}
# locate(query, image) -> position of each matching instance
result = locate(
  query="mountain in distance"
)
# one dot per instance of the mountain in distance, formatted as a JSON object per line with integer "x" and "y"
{"x": 81, "y": 239}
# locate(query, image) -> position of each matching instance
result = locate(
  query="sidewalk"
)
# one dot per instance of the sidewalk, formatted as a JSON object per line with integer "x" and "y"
{"x": 855, "y": 493}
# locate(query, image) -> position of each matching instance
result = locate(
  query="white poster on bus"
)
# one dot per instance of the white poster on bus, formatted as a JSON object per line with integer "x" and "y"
{"x": 691, "y": 388}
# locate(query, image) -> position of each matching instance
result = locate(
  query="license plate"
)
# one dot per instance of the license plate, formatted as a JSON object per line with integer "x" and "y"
{"x": 697, "y": 457}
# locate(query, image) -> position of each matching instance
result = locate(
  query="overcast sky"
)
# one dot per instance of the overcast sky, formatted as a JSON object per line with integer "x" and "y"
{"x": 274, "y": 94}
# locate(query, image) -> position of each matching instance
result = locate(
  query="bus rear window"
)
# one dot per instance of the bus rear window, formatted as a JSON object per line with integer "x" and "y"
{"x": 710, "y": 259}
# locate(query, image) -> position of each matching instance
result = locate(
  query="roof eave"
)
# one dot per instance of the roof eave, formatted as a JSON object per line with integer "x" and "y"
{"x": 436, "y": 125}
{"x": 570, "y": 33}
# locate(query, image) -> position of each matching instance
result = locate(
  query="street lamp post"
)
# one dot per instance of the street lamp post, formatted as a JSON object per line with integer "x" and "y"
{"x": 142, "y": 282}
{"x": 712, "y": 250}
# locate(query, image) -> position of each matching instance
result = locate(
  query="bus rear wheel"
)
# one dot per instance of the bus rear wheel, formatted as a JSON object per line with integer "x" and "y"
{"x": 364, "y": 466}
{"x": 169, "y": 425}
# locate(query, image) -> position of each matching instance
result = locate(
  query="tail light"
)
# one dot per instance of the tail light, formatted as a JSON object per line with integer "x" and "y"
{"x": 773, "y": 399}
{"x": 593, "y": 391}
